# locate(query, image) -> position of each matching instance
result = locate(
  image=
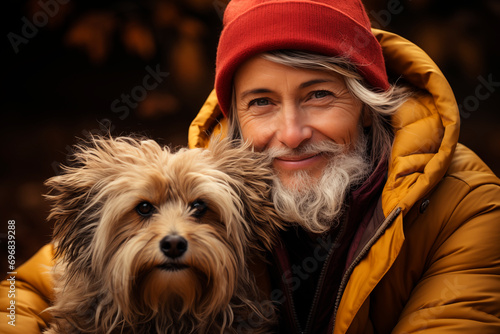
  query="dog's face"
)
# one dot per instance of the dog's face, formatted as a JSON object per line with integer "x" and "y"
{"x": 156, "y": 227}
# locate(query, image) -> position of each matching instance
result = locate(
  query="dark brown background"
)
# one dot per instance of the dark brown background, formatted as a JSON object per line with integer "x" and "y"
{"x": 62, "y": 82}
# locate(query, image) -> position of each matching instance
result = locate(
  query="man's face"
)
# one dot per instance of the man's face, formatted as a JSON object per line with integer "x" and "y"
{"x": 285, "y": 109}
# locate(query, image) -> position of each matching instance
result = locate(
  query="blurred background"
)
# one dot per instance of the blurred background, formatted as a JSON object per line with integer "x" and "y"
{"x": 71, "y": 68}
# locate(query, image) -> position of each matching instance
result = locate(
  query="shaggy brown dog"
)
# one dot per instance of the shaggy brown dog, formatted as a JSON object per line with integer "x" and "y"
{"x": 148, "y": 240}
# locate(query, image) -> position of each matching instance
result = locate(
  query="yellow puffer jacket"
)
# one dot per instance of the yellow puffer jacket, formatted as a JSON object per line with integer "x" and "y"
{"x": 433, "y": 265}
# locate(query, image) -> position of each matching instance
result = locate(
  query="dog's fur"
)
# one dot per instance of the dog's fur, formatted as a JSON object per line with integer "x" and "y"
{"x": 111, "y": 275}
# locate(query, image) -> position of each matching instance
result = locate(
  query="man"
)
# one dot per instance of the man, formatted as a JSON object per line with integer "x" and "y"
{"x": 395, "y": 226}
{"x": 392, "y": 232}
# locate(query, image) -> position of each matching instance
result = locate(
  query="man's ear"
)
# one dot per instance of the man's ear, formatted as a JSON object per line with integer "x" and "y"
{"x": 366, "y": 116}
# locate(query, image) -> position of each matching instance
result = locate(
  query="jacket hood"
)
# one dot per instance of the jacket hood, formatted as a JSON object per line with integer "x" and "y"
{"x": 426, "y": 127}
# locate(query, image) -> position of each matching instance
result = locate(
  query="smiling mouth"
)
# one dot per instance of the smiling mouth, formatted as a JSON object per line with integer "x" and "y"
{"x": 292, "y": 163}
{"x": 297, "y": 158}
{"x": 172, "y": 266}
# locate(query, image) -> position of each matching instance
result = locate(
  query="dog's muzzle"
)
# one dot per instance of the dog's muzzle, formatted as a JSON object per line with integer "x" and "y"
{"x": 173, "y": 246}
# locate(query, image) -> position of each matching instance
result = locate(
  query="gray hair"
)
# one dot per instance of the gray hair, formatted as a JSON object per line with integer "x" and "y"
{"x": 380, "y": 104}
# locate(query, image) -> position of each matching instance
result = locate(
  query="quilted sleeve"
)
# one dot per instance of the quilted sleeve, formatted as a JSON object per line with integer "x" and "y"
{"x": 460, "y": 290}
{"x": 25, "y": 295}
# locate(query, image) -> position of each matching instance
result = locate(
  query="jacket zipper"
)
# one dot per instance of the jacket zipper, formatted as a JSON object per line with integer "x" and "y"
{"x": 343, "y": 283}
{"x": 318, "y": 289}
{"x": 322, "y": 278}
{"x": 289, "y": 296}
{"x": 294, "y": 311}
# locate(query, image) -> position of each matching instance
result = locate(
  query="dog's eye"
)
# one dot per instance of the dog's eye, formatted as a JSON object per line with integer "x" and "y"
{"x": 199, "y": 208}
{"x": 145, "y": 209}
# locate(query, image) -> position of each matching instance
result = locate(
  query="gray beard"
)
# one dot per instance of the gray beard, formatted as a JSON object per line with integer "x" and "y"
{"x": 317, "y": 205}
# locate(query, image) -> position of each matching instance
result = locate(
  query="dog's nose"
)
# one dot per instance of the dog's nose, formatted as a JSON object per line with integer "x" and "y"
{"x": 173, "y": 246}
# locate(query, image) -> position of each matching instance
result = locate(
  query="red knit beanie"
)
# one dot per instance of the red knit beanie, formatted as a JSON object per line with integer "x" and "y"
{"x": 327, "y": 27}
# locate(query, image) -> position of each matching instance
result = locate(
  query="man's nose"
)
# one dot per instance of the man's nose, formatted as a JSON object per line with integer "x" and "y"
{"x": 293, "y": 128}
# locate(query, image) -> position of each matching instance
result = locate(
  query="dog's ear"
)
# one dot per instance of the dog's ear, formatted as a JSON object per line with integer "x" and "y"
{"x": 74, "y": 195}
{"x": 253, "y": 178}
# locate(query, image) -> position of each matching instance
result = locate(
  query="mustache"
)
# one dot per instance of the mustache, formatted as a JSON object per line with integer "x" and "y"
{"x": 326, "y": 147}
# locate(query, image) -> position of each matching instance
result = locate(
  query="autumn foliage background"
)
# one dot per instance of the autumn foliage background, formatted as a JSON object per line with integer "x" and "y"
{"x": 84, "y": 71}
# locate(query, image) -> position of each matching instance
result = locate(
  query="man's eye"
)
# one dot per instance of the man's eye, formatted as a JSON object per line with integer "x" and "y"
{"x": 260, "y": 102}
{"x": 321, "y": 93}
